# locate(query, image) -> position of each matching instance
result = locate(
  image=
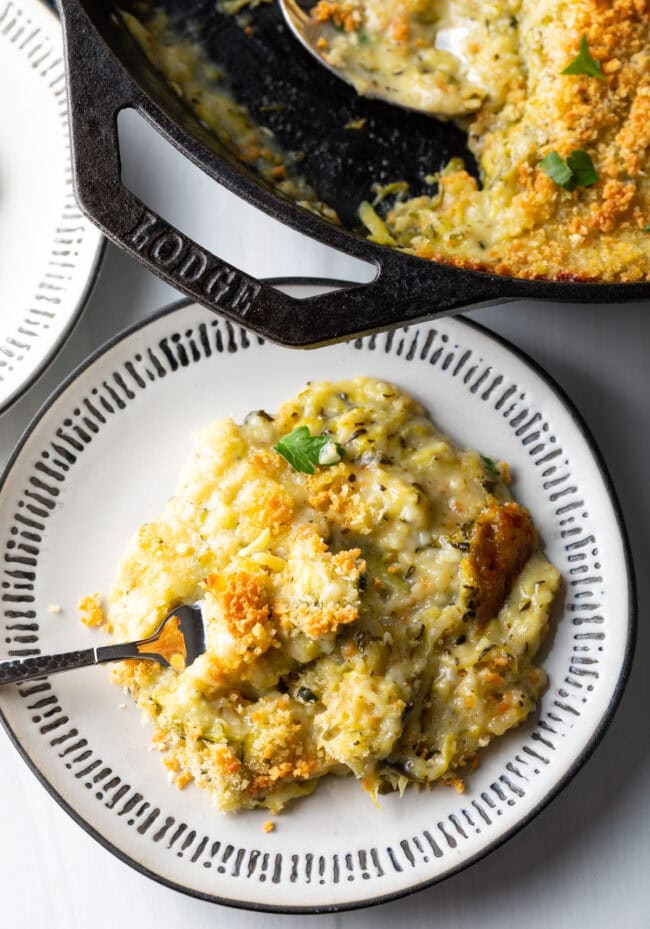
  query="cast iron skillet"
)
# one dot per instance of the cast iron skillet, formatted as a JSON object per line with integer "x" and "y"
{"x": 107, "y": 72}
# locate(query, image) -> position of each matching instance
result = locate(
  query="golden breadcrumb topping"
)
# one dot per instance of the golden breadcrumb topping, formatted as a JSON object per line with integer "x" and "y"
{"x": 519, "y": 221}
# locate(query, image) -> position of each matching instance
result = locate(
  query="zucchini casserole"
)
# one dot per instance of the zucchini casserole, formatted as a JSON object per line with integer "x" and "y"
{"x": 554, "y": 96}
{"x": 373, "y": 598}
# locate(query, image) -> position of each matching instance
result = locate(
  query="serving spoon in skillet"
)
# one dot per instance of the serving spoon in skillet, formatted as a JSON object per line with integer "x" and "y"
{"x": 438, "y": 96}
{"x": 177, "y": 643}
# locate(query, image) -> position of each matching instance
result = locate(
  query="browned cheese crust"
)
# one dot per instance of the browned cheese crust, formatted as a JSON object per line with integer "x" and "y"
{"x": 522, "y": 223}
{"x": 502, "y": 541}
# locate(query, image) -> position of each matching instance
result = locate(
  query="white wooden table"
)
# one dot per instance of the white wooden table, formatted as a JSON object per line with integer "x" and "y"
{"x": 585, "y": 861}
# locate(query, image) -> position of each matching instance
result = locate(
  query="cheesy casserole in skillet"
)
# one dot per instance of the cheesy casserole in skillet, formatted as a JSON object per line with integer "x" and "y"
{"x": 527, "y": 79}
{"x": 499, "y": 69}
{"x": 379, "y": 616}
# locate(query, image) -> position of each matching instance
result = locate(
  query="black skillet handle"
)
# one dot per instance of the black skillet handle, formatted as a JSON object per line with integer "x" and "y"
{"x": 405, "y": 288}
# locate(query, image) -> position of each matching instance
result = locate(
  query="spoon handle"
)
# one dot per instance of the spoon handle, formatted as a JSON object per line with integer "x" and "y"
{"x": 17, "y": 670}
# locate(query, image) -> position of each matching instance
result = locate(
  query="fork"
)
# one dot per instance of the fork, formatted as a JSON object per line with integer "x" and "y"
{"x": 177, "y": 643}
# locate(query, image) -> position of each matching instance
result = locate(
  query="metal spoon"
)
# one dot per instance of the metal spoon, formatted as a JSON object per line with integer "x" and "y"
{"x": 445, "y": 103}
{"x": 297, "y": 16}
{"x": 177, "y": 643}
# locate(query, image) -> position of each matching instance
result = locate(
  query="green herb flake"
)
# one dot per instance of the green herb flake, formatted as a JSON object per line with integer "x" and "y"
{"x": 577, "y": 171}
{"x": 584, "y": 63}
{"x": 306, "y": 695}
{"x": 647, "y": 227}
{"x": 583, "y": 168}
{"x": 490, "y": 466}
{"x": 557, "y": 169}
{"x": 306, "y": 452}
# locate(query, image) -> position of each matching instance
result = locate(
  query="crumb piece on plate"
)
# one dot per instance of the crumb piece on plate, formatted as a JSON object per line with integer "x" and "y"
{"x": 91, "y": 611}
{"x": 183, "y": 779}
{"x": 458, "y": 784}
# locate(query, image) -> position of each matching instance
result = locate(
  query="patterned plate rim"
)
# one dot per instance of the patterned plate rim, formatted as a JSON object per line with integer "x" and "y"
{"x": 593, "y": 742}
{"x": 14, "y": 340}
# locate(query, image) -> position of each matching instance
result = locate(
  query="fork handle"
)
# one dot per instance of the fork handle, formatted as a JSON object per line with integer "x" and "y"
{"x": 24, "y": 669}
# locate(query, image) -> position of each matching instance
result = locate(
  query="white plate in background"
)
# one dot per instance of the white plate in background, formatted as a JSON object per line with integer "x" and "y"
{"x": 49, "y": 252}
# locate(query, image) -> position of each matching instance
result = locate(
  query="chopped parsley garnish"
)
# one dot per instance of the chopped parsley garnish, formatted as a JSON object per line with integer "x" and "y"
{"x": 306, "y": 452}
{"x": 584, "y": 63}
{"x": 577, "y": 171}
{"x": 557, "y": 169}
{"x": 647, "y": 228}
{"x": 490, "y": 466}
{"x": 583, "y": 168}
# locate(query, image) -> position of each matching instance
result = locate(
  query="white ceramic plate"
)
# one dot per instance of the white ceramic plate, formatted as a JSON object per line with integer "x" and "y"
{"x": 104, "y": 456}
{"x": 49, "y": 252}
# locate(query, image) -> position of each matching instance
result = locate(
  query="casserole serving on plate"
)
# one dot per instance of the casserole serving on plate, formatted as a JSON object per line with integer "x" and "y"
{"x": 335, "y": 850}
